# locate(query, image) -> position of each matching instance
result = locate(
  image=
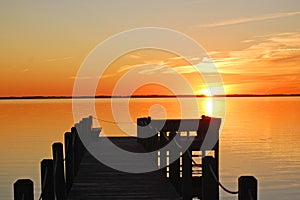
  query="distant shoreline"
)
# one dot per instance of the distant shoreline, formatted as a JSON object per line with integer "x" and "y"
{"x": 148, "y": 96}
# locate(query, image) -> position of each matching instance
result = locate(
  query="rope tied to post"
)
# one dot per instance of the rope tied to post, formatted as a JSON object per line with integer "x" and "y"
{"x": 220, "y": 184}
{"x": 111, "y": 122}
{"x": 193, "y": 161}
{"x": 166, "y": 138}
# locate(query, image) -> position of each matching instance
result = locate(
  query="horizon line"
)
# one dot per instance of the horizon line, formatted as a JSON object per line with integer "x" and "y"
{"x": 144, "y": 96}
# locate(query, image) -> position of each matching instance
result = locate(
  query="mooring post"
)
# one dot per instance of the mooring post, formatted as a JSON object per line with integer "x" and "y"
{"x": 187, "y": 182}
{"x": 47, "y": 179}
{"x": 247, "y": 188}
{"x": 79, "y": 134}
{"x": 143, "y": 130}
{"x": 210, "y": 186}
{"x": 69, "y": 160}
{"x": 86, "y": 131}
{"x": 58, "y": 171}
{"x": 90, "y": 125}
{"x": 75, "y": 147}
{"x": 23, "y": 189}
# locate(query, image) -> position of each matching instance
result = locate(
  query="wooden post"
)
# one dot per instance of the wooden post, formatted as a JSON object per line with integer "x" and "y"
{"x": 210, "y": 186}
{"x": 90, "y": 125}
{"x": 58, "y": 171}
{"x": 81, "y": 137}
{"x": 47, "y": 179}
{"x": 163, "y": 153}
{"x": 142, "y": 130}
{"x": 86, "y": 131}
{"x": 217, "y": 156}
{"x": 75, "y": 147}
{"x": 175, "y": 166}
{"x": 187, "y": 182}
{"x": 23, "y": 189}
{"x": 247, "y": 188}
{"x": 69, "y": 160}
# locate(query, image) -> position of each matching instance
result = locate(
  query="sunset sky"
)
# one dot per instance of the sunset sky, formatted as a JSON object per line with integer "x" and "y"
{"x": 255, "y": 44}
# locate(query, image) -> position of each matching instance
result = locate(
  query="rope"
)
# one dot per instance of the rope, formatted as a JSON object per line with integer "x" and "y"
{"x": 220, "y": 184}
{"x": 193, "y": 161}
{"x": 111, "y": 122}
{"x": 154, "y": 129}
{"x": 44, "y": 183}
{"x": 180, "y": 147}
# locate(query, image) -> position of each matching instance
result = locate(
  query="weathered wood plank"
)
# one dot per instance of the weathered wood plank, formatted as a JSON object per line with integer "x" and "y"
{"x": 97, "y": 181}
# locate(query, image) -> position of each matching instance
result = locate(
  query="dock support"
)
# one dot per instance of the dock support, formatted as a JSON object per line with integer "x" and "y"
{"x": 80, "y": 136}
{"x": 247, "y": 188}
{"x": 47, "y": 179}
{"x": 187, "y": 182}
{"x": 163, "y": 153}
{"x": 23, "y": 189}
{"x": 210, "y": 186}
{"x": 58, "y": 171}
{"x": 69, "y": 160}
{"x": 175, "y": 165}
{"x": 76, "y": 152}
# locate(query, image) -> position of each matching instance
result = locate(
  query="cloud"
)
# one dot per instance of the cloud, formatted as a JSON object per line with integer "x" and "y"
{"x": 59, "y": 59}
{"x": 269, "y": 60}
{"x": 81, "y": 78}
{"x": 250, "y": 19}
{"x": 152, "y": 69}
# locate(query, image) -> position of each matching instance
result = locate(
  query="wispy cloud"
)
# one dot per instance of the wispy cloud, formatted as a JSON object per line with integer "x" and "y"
{"x": 250, "y": 19}
{"x": 58, "y": 59}
{"x": 269, "y": 62}
{"x": 82, "y": 78}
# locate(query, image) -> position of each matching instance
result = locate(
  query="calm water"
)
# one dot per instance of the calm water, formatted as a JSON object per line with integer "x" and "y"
{"x": 260, "y": 137}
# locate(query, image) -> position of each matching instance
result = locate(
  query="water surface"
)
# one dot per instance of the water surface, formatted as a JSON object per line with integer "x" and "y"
{"x": 260, "y": 137}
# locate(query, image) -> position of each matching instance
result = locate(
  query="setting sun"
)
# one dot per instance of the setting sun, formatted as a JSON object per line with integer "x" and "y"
{"x": 205, "y": 92}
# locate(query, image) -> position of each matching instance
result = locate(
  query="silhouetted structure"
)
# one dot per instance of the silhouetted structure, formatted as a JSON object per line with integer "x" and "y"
{"x": 79, "y": 175}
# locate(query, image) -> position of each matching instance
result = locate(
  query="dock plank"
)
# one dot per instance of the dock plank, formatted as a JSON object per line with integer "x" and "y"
{"x": 97, "y": 181}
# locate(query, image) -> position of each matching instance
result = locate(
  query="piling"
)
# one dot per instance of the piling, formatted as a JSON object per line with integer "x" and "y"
{"x": 23, "y": 189}
{"x": 58, "y": 171}
{"x": 47, "y": 178}
{"x": 69, "y": 160}
{"x": 247, "y": 188}
{"x": 210, "y": 186}
{"x": 187, "y": 181}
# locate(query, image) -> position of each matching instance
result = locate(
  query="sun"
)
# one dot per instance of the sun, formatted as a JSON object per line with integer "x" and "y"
{"x": 205, "y": 92}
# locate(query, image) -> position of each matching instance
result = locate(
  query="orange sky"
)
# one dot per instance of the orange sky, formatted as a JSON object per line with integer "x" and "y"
{"x": 255, "y": 44}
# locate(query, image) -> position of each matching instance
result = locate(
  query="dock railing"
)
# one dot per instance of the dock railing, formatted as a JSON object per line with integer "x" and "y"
{"x": 57, "y": 174}
{"x": 191, "y": 179}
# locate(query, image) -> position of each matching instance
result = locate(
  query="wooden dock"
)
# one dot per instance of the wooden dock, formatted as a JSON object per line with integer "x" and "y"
{"x": 74, "y": 173}
{"x": 97, "y": 181}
